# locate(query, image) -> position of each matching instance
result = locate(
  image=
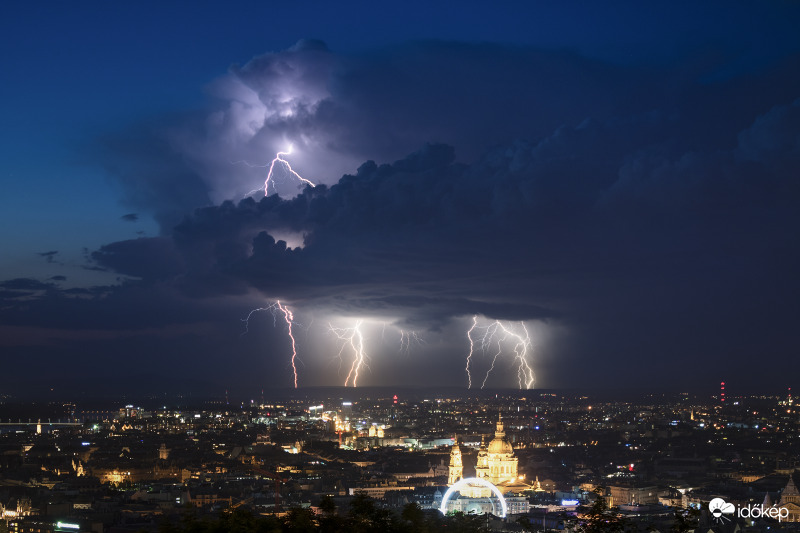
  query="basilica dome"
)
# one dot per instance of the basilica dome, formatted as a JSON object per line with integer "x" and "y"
{"x": 499, "y": 444}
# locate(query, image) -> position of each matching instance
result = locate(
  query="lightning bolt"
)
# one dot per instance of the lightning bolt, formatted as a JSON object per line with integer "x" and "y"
{"x": 287, "y": 166}
{"x": 288, "y": 317}
{"x": 271, "y": 172}
{"x": 524, "y": 370}
{"x": 494, "y": 360}
{"x": 471, "y": 349}
{"x": 246, "y": 320}
{"x": 407, "y": 338}
{"x": 501, "y": 334}
{"x": 354, "y": 338}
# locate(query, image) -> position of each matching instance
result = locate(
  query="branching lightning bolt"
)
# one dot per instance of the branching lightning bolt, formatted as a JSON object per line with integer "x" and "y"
{"x": 524, "y": 370}
{"x": 355, "y": 339}
{"x": 270, "y": 173}
{"x": 246, "y": 320}
{"x": 500, "y": 333}
{"x": 494, "y": 360}
{"x": 287, "y": 315}
{"x": 289, "y": 318}
{"x": 288, "y": 167}
{"x": 407, "y": 338}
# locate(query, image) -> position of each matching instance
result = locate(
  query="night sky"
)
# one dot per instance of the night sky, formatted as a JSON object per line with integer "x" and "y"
{"x": 620, "y": 180}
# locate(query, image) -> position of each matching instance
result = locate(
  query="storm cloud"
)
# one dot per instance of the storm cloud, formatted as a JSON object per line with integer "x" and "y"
{"x": 338, "y": 110}
{"x": 574, "y": 228}
{"x": 650, "y": 213}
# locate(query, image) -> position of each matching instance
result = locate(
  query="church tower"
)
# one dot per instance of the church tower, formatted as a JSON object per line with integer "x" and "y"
{"x": 455, "y": 470}
{"x": 482, "y": 466}
{"x": 790, "y": 500}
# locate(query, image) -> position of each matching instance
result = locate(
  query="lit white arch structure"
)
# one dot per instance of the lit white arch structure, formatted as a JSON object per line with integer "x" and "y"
{"x": 474, "y": 481}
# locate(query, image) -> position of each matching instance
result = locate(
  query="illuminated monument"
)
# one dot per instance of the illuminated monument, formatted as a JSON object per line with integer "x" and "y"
{"x": 455, "y": 470}
{"x": 497, "y": 463}
{"x": 495, "y": 475}
{"x": 790, "y": 500}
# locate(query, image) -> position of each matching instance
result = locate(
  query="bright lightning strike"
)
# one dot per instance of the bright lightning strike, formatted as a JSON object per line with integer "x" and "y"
{"x": 271, "y": 172}
{"x": 471, "y": 349}
{"x": 288, "y": 168}
{"x": 287, "y": 315}
{"x": 289, "y": 318}
{"x": 354, "y": 338}
{"x": 502, "y": 334}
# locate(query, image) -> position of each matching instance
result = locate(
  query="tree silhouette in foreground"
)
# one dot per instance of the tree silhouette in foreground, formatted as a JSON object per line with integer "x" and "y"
{"x": 601, "y": 518}
{"x": 363, "y": 516}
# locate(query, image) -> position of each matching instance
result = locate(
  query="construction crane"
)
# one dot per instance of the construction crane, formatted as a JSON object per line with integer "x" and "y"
{"x": 276, "y": 478}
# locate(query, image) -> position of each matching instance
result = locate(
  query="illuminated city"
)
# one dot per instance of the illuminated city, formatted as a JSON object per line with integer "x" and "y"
{"x": 404, "y": 267}
{"x": 535, "y": 459}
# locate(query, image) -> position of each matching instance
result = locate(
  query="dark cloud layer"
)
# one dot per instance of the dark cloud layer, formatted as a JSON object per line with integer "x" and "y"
{"x": 651, "y": 213}
{"x": 594, "y": 225}
{"x": 340, "y": 110}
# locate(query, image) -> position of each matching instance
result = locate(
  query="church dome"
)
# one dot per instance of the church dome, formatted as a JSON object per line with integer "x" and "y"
{"x": 500, "y": 445}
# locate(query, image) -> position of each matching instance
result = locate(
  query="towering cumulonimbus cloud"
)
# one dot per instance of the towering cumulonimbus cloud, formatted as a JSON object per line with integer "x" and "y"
{"x": 542, "y": 230}
{"x": 418, "y": 233}
{"x": 338, "y": 110}
{"x": 645, "y": 221}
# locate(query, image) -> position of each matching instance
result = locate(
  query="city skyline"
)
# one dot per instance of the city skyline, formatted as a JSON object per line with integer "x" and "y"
{"x": 527, "y": 196}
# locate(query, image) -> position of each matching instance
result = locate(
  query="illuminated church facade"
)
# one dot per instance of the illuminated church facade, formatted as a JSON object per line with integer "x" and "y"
{"x": 496, "y": 463}
{"x": 790, "y": 500}
{"x": 455, "y": 469}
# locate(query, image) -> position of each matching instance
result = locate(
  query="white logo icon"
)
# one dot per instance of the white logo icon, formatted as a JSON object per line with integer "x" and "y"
{"x": 718, "y": 507}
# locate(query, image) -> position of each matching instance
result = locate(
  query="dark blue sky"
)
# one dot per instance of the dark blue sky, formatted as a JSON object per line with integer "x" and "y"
{"x": 620, "y": 176}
